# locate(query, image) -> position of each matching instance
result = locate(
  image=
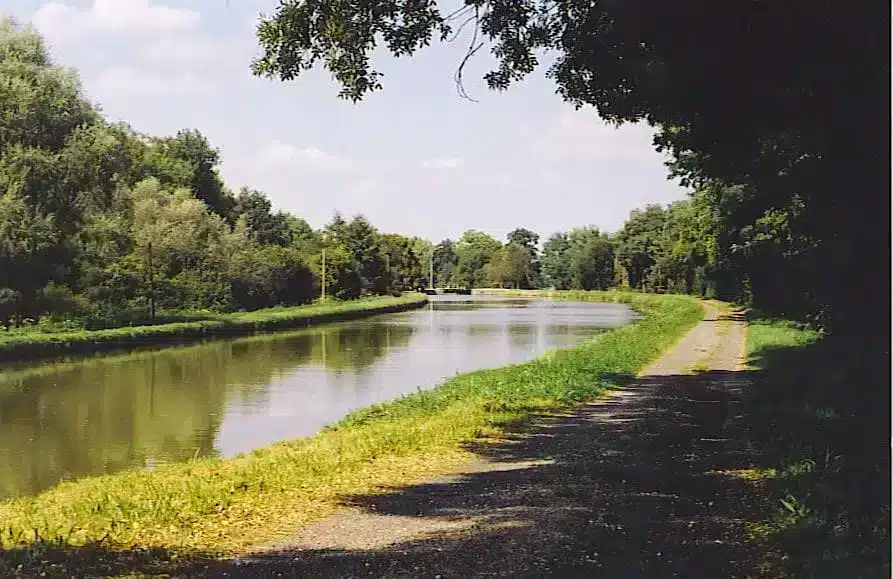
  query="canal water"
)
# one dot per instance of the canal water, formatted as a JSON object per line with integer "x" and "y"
{"x": 64, "y": 420}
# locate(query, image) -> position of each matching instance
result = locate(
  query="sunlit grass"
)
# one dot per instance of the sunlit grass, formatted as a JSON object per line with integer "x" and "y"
{"x": 33, "y": 344}
{"x": 220, "y": 506}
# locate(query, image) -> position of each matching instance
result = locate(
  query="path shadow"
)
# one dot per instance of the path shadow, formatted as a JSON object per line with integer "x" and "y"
{"x": 623, "y": 488}
{"x": 628, "y": 487}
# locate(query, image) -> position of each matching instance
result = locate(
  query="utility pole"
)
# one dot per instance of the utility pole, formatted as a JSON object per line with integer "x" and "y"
{"x": 387, "y": 270}
{"x": 323, "y": 276}
{"x": 431, "y": 270}
{"x": 151, "y": 285}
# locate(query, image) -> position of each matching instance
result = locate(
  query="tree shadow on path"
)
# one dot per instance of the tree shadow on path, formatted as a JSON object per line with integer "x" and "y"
{"x": 627, "y": 487}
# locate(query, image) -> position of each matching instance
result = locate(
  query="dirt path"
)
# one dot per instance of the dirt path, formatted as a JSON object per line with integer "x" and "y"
{"x": 622, "y": 487}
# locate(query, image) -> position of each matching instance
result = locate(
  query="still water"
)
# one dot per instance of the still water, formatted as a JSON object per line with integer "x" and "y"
{"x": 64, "y": 420}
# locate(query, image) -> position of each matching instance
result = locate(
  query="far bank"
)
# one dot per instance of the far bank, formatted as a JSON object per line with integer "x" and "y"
{"x": 20, "y": 346}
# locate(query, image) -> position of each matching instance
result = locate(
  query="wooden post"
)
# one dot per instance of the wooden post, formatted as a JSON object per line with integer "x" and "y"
{"x": 323, "y": 281}
{"x": 431, "y": 270}
{"x": 151, "y": 286}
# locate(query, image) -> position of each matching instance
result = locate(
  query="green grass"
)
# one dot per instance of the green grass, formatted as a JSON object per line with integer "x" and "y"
{"x": 214, "y": 507}
{"x": 824, "y": 450}
{"x": 35, "y": 344}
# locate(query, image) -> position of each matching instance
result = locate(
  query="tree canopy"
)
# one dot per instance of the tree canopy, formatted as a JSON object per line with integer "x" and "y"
{"x": 773, "y": 108}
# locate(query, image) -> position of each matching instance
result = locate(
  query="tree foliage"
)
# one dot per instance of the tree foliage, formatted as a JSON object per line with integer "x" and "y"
{"x": 107, "y": 225}
{"x": 770, "y": 120}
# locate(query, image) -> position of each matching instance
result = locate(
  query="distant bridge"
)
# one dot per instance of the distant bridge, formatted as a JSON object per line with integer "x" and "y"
{"x": 447, "y": 290}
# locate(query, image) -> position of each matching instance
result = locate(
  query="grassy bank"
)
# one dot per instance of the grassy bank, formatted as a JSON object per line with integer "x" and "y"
{"x": 824, "y": 451}
{"x": 35, "y": 344}
{"x": 218, "y": 506}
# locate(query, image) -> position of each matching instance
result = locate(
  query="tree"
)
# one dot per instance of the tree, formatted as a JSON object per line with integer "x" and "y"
{"x": 361, "y": 240}
{"x": 303, "y": 237}
{"x": 269, "y": 276}
{"x": 556, "y": 262}
{"x": 475, "y": 250}
{"x": 527, "y": 240}
{"x": 177, "y": 240}
{"x": 402, "y": 265}
{"x": 28, "y": 241}
{"x": 188, "y": 160}
{"x": 422, "y": 250}
{"x": 264, "y": 226}
{"x": 763, "y": 115}
{"x": 592, "y": 259}
{"x": 41, "y": 104}
{"x": 639, "y": 243}
{"x": 343, "y": 278}
{"x": 446, "y": 260}
{"x": 511, "y": 266}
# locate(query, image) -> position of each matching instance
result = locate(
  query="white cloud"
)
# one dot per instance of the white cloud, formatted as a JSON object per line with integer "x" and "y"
{"x": 582, "y": 137}
{"x": 118, "y": 80}
{"x": 442, "y": 163}
{"x": 180, "y": 49}
{"x": 60, "y": 22}
{"x": 279, "y": 154}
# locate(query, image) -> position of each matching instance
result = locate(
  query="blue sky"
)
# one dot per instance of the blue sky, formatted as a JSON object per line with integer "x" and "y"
{"x": 415, "y": 158}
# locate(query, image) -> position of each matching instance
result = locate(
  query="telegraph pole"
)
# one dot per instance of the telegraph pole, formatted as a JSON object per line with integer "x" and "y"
{"x": 151, "y": 284}
{"x": 323, "y": 276}
{"x": 431, "y": 270}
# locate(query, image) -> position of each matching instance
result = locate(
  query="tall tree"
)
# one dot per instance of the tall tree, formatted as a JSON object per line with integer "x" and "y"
{"x": 403, "y": 270}
{"x": 528, "y": 241}
{"x": 639, "y": 243}
{"x": 591, "y": 259}
{"x": 446, "y": 260}
{"x": 556, "y": 262}
{"x": 475, "y": 250}
{"x": 188, "y": 160}
{"x": 511, "y": 266}
{"x": 264, "y": 226}
{"x": 361, "y": 240}
{"x": 760, "y": 110}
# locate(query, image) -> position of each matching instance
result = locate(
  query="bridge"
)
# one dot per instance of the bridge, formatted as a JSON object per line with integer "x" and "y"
{"x": 447, "y": 290}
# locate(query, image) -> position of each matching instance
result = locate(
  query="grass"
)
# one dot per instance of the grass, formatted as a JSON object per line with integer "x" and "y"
{"x": 212, "y": 507}
{"x": 825, "y": 453}
{"x": 36, "y": 344}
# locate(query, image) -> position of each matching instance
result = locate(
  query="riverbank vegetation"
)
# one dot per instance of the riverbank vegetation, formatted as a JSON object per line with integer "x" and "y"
{"x": 33, "y": 343}
{"x": 215, "y": 506}
{"x": 823, "y": 462}
{"x": 103, "y": 227}
{"x": 790, "y": 212}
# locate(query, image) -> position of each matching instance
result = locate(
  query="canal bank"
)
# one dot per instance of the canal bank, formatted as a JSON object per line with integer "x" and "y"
{"x": 64, "y": 420}
{"x": 218, "y": 506}
{"x": 29, "y": 345}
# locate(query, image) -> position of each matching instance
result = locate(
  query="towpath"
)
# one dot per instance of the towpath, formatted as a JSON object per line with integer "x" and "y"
{"x": 630, "y": 485}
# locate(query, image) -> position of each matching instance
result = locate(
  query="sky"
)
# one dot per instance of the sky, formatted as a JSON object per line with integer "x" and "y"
{"x": 415, "y": 158}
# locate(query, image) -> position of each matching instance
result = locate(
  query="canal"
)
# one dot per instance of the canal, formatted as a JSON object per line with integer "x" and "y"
{"x": 64, "y": 420}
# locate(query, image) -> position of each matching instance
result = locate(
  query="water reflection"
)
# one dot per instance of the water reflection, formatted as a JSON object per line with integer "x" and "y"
{"x": 64, "y": 420}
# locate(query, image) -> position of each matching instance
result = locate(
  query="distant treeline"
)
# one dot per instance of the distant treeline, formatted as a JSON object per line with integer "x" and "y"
{"x": 101, "y": 226}
{"x": 659, "y": 249}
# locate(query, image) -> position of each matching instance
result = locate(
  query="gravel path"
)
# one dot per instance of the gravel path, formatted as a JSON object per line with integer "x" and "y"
{"x": 621, "y": 487}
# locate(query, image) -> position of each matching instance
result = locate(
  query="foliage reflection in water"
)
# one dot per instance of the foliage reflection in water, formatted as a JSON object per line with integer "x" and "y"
{"x": 65, "y": 420}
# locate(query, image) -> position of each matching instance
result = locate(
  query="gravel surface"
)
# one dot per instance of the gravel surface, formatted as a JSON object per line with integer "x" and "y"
{"x": 621, "y": 487}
